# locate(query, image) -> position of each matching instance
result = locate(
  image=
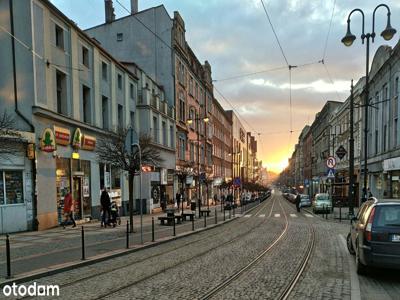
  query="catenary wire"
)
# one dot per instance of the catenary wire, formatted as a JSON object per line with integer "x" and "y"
{"x": 329, "y": 30}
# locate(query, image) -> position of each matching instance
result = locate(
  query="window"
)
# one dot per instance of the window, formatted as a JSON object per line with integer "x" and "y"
{"x": 182, "y": 115}
{"x": 384, "y": 138}
{"x": 181, "y": 152}
{"x": 395, "y": 132}
{"x": 132, "y": 119}
{"x": 119, "y": 81}
{"x": 120, "y": 37}
{"x": 155, "y": 129}
{"x": 120, "y": 116}
{"x": 164, "y": 133}
{"x": 104, "y": 112}
{"x": 86, "y": 104}
{"x": 131, "y": 91}
{"x": 104, "y": 70}
{"x": 192, "y": 117}
{"x": 396, "y": 87}
{"x": 11, "y": 187}
{"x": 196, "y": 91}
{"x": 376, "y": 141}
{"x": 61, "y": 86}
{"x": 85, "y": 56}
{"x": 191, "y": 152}
{"x": 171, "y": 136}
{"x": 59, "y": 37}
{"x": 191, "y": 86}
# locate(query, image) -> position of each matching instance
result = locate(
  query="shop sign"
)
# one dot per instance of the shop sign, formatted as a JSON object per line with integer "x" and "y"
{"x": 30, "y": 151}
{"x": 62, "y": 135}
{"x": 189, "y": 180}
{"x": 89, "y": 142}
{"x": 163, "y": 176}
{"x": 170, "y": 178}
{"x": 77, "y": 139}
{"x": 217, "y": 181}
{"x": 48, "y": 143}
{"x": 391, "y": 164}
{"x": 86, "y": 190}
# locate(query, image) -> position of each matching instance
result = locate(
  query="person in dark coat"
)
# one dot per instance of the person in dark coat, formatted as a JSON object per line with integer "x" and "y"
{"x": 298, "y": 201}
{"x": 178, "y": 200}
{"x": 105, "y": 207}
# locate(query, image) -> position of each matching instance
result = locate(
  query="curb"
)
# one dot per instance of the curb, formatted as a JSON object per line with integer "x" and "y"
{"x": 24, "y": 277}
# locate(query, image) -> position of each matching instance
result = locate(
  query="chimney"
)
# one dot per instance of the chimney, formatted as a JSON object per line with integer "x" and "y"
{"x": 110, "y": 15}
{"x": 134, "y": 6}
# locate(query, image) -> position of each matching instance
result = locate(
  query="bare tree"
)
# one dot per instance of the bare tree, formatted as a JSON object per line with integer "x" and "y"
{"x": 114, "y": 150}
{"x": 9, "y": 136}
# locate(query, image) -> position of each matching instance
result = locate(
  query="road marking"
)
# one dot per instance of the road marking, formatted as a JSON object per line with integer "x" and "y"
{"x": 293, "y": 215}
{"x": 309, "y": 216}
{"x": 277, "y": 215}
{"x": 354, "y": 282}
{"x": 261, "y": 216}
{"x": 247, "y": 216}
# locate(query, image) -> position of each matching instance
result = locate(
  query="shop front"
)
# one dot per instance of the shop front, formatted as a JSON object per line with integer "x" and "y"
{"x": 390, "y": 180}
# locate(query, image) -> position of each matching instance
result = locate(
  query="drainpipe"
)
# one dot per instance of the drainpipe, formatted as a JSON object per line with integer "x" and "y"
{"x": 18, "y": 112}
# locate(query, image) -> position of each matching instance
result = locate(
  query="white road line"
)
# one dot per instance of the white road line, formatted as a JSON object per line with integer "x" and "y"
{"x": 354, "y": 282}
{"x": 277, "y": 215}
{"x": 293, "y": 215}
{"x": 261, "y": 216}
{"x": 247, "y": 216}
{"x": 309, "y": 216}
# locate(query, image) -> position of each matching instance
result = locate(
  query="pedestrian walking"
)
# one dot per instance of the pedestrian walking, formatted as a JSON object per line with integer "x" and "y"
{"x": 298, "y": 201}
{"x": 178, "y": 200}
{"x": 215, "y": 199}
{"x": 105, "y": 208}
{"x": 68, "y": 210}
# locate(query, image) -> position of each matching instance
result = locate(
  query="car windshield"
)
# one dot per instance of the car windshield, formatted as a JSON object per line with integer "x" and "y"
{"x": 387, "y": 215}
{"x": 322, "y": 198}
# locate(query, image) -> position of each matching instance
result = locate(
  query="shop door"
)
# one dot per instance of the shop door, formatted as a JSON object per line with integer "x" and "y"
{"x": 77, "y": 196}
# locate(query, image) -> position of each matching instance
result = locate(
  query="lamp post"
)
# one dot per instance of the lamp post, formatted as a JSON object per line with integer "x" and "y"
{"x": 140, "y": 190}
{"x": 189, "y": 122}
{"x": 351, "y": 157}
{"x": 348, "y": 40}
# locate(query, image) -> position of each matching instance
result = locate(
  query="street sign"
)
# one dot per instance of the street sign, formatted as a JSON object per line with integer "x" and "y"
{"x": 236, "y": 181}
{"x": 331, "y": 162}
{"x": 331, "y": 173}
{"x": 341, "y": 152}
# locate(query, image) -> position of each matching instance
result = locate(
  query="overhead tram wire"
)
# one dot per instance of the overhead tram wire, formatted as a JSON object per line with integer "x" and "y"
{"x": 329, "y": 31}
{"x": 250, "y": 74}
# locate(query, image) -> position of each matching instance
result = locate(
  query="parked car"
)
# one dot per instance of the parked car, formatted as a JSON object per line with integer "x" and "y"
{"x": 305, "y": 200}
{"x": 374, "y": 236}
{"x": 292, "y": 197}
{"x": 322, "y": 203}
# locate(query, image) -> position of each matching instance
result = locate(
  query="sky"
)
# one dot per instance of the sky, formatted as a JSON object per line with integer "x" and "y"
{"x": 236, "y": 38}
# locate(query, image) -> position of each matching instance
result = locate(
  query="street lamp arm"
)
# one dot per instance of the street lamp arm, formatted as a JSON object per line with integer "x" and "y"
{"x": 389, "y": 31}
{"x": 363, "y": 22}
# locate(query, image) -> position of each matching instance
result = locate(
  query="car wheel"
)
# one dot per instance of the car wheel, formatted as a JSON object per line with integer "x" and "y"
{"x": 361, "y": 269}
{"x": 350, "y": 245}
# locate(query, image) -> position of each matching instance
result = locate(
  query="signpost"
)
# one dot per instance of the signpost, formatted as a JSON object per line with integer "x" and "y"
{"x": 331, "y": 173}
{"x": 341, "y": 152}
{"x": 331, "y": 162}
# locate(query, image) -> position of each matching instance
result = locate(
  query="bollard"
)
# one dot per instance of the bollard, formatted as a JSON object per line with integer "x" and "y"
{"x": 221, "y": 206}
{"x": 127, "y": 234}
{"x": 233, "y": 210}
{"x": 224, "y": 215}
{"x": 216, "y": 217}
{"x": 83, "y": 243}
{"x": 205, "y": 220}
{"x": 8, "y": 254}
{"x": 192, "y": 218}
{"x": 152, "y": 229}
{"x": 340, "y": 213}
{"x": 230, "y": 213}
{"x": 174, "y": 233}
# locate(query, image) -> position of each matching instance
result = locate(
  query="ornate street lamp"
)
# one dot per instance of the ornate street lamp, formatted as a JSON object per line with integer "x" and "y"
{"x": 348, "y": 40}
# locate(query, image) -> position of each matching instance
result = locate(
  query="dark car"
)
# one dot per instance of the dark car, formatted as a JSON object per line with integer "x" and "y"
{"x": 374, "y": 236}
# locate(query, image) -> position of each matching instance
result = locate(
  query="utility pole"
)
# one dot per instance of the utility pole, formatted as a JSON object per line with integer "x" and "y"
{"x": 351, "y": 154}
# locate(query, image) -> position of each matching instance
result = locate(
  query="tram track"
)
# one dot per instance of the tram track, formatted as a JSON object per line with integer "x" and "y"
{"x": 264, "y": 206}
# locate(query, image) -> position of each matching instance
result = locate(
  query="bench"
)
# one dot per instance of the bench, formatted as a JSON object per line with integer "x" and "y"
{"x": 170, "y": 219}
{"x": 188, "y": 214}
{"x": 205, "y": 211}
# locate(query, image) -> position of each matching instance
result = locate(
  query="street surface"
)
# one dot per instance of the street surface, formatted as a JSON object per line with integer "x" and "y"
{"x": 272, "y": 252}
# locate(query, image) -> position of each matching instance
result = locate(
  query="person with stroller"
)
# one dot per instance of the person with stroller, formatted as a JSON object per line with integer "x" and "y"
{"x": 105, "y": 208}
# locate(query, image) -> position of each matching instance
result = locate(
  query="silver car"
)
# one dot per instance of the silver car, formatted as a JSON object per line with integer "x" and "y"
{"x": 322, "y": 203}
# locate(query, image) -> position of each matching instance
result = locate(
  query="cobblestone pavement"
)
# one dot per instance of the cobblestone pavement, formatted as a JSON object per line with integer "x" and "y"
{"x": 189, "y": 267}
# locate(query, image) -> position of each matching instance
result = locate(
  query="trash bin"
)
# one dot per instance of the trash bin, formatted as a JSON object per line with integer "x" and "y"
{"x": 193, "y": 205}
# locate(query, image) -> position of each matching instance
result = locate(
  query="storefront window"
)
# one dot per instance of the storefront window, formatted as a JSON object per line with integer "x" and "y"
{"x": 62, "y": 183}
{"x": 87, "y": 204}
{"x": 11, "y": 187}
{"x": 396, "y": 185}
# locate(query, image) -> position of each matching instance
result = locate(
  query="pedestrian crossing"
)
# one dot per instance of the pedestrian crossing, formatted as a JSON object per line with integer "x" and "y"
{"x": 279, "y": 215}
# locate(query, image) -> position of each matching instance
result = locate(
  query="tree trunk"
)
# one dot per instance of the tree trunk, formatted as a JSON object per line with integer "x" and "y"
{"x": 130, "y": 185}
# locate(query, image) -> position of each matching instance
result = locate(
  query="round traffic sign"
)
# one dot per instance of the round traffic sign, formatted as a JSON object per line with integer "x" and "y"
{"x": 331, "y": 162}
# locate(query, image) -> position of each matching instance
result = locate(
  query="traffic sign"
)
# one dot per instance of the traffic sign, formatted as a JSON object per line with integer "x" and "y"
{"x": 341, "y": 152}
{"x": 331, "y": 173}
{"x": 331, "y": 162}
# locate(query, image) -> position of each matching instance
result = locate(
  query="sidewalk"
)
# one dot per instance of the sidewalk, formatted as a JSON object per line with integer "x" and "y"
{"x": 32, "y": 251}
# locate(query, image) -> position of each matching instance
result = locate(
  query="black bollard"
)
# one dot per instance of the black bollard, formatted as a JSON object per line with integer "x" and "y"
{"x": 224, "y": 215}
{"x": 230, "y": 213}
{"x": 192, "y": 218}
{"x": 127, "y": 234}
{"x": 233, "y": 210}
{"x": 83, "y": 243}
{"x": 216, "y": 217}
{"x": 205, "y": 220}
{"x": 8, "y": 254}
{"x": 174, "y": 232}
{"x": 152, "y": 229}
{"x": 340, "y": 213}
